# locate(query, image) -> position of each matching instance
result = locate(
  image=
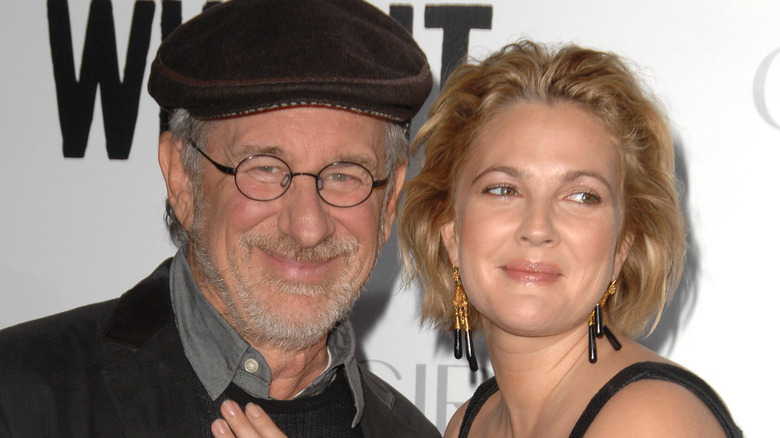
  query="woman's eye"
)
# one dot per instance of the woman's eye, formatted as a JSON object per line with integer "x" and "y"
{"x": 585, "y": 198}
{"x": 501, "y": 191}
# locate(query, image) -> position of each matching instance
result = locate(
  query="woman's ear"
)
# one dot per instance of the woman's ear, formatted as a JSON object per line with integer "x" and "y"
{"x": 621, "y": 252}
{"x": 450, "y": 239}
{"x": 177, "y": 180}
{"x": 392, "y": 201}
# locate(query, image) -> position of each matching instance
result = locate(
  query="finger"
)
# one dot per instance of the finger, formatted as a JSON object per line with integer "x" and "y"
{"x": 220, "y": 429}
{"x": 262, "y": 422}
{"x": 238, "y": 421}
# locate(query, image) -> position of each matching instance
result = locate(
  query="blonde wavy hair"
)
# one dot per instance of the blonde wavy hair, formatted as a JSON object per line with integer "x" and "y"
{"x": 601, "y": 84}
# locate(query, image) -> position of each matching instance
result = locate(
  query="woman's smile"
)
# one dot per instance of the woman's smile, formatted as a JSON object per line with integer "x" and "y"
{"x": 532, "y": 273}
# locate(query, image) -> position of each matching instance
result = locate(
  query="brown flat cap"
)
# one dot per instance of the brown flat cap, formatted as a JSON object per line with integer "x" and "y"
{"x": 246, "y": 56}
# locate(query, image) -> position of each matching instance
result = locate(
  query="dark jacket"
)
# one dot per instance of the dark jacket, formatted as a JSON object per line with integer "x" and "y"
{"x": 118, "y": 368}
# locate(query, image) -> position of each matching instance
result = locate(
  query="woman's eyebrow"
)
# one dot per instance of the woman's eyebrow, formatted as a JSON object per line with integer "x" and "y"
{"x": 507, "y": 170}
{"x": 576, "y": 174}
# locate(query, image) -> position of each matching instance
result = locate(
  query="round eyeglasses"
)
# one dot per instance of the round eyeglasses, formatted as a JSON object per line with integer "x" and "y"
{"x": 266, "y": 177}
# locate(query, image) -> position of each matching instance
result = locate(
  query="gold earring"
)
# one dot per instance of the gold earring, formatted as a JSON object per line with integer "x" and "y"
{"x": 461, "y": 303}
{"x": 597, "y": 328}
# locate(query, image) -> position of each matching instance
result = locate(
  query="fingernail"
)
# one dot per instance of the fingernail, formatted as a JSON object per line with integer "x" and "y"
{"x": 252, "y": 410}
{"x": 229, "y": 408}
{"x": 220, "y": 427}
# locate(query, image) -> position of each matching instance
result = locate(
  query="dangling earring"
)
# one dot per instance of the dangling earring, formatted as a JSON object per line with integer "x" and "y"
{"x": 597, "y": 328}
{"x": 461, "y": 304}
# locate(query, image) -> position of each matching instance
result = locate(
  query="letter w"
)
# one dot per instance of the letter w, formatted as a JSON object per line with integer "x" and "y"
{"x": 76, "y": 98}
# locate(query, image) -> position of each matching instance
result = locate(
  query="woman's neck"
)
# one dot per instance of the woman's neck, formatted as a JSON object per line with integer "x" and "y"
{"x": 538, "y": 370}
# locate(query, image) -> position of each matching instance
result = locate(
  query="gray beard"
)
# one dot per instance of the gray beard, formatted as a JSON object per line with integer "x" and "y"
{"x": 290, "y": 329}
{"x": 293, "y": 329}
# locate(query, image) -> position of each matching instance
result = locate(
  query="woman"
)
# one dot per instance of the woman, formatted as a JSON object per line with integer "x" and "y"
{"x": 545, "y": 214}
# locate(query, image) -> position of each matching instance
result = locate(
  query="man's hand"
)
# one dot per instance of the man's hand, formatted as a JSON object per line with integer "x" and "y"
{"x": 255, "y": 423}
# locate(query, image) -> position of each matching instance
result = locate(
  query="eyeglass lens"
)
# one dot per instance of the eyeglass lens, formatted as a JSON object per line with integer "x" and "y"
{"x": 265, "y": 178}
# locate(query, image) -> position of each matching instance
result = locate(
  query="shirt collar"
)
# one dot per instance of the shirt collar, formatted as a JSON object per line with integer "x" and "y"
{"x": 219, "y": 355}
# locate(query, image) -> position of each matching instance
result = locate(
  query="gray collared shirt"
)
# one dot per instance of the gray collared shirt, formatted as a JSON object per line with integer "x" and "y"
{"x": 219, "y": 355}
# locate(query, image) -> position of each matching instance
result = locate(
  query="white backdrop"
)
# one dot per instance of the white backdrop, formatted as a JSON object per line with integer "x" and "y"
{"x": 79, "y": 230}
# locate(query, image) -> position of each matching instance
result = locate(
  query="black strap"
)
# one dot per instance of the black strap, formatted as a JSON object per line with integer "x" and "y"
{"x": 657, "y": 371}
{"x": 483, "y": 392}
{"x": 630, "y": 374}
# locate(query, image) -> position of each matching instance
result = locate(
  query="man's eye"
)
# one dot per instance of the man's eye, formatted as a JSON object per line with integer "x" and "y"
{"x": 340, "y": 177}
{"x": 501, "y": 191}
{"x": 265, "y": 173}
{"x": 585, "y": 198}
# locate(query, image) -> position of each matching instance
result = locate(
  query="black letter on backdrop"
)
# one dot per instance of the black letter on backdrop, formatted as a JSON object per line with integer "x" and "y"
{"x": 456, "y": 22}
{"x": 404, "y": 15}
{"x": 171, "y": 19}
{"x": 76, "y": 99}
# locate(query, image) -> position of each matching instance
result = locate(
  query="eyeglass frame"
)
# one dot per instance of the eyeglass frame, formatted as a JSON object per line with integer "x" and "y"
{"x": 227, "y": 170}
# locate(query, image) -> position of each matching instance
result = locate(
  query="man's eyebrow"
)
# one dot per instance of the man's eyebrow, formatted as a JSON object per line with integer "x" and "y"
{"x": 362, "y": 159}
{"x": 259, "y": 149}
{"x": 251, "y": 149}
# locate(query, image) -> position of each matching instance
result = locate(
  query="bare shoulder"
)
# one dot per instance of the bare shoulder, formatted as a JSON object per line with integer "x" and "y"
{"x": 453, "y": 427}
{"x": 651, "y": 408}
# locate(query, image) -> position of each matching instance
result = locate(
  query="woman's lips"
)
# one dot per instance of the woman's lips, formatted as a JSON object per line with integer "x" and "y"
{"x": 533, "y": 273}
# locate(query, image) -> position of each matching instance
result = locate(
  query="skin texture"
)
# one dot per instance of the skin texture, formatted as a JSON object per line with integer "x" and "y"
{"x": 282, "y": 272}
{"x": 537, "y": 218}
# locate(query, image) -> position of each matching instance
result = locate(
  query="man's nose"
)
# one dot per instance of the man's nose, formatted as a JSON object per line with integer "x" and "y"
{"x": 304, "y": 216}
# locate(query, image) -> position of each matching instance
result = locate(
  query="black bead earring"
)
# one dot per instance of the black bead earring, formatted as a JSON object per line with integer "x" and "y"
{"x": 597, "y": 328}
{"x": 461, "y": 303}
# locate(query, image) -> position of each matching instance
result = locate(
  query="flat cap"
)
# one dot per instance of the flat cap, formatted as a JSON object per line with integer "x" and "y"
{"x": 246, "y": 56}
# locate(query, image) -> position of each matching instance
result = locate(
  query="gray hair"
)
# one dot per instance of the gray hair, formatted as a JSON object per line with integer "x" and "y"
{"x": 186, "y": 127}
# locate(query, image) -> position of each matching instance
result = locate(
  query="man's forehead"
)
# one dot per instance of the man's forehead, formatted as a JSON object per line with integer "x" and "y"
{"x": 304, "y": 132}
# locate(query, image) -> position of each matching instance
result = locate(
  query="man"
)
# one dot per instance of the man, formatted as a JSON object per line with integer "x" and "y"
{"x": 283, "y": 165}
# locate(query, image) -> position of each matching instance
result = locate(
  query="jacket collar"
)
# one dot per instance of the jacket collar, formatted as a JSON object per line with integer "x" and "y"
{"x": 150, "y": 381}
{"x": 143, "y": 311}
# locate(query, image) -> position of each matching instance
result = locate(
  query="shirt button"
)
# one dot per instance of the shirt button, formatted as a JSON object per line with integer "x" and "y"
{"x": 251, "y": 365}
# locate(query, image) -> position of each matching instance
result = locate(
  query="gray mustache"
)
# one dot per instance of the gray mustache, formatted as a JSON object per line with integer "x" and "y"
{"x": 289, "y": 248}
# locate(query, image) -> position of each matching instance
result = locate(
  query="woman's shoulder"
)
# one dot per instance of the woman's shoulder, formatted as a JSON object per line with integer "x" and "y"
{"x": 655, "y": 408}
{"x": 453, "y": 426}
{"x": 654, "y": 398}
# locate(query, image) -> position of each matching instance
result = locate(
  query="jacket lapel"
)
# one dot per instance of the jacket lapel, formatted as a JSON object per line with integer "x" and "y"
{"x": 145, "y": 369}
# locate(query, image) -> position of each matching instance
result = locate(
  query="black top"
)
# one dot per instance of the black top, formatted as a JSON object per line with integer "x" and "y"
{"x": 632, "y": 373}
{"x": 327, "y": 415}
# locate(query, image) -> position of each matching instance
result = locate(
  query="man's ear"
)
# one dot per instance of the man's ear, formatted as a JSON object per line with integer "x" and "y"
{"x": 450, "y": 240}
{"x": 392, "y": 201}
{"x": 177, "y": 180}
